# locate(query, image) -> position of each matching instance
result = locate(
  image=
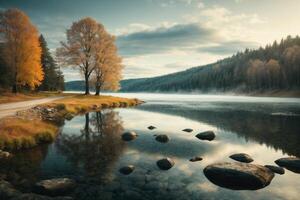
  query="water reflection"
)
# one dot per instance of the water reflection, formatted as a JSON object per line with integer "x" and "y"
{"x": 277, "y": 131}
{"x": 96, "y": 148}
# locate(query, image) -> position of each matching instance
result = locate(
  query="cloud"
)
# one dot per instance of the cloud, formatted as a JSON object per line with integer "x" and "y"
{"x": 228, "y": 48}
{"x": 165, "y": 39}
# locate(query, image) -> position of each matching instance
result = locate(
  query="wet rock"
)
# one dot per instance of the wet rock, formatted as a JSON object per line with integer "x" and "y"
{"x": 162, "y": 138}
{"x": 127, "y": 169}
{"x": 7, "y": 191}
{"x": 69, "y": 116}
{"x": 128, "y": 136}
{"x": 196, "y": 158}
{"x": 207, "y": 135}
{"x": 188, "y": 130}
{"x": 239, "y": 176}
{"x": 290, "y": 163}
{"x": 151, "y": 127}
{"x": 241, "y": 157}
{"x": 275, "y": 169}
{"x": 165, "y": 163}
{"x": 4, "y": 154}
{"x": 55, "y": 187}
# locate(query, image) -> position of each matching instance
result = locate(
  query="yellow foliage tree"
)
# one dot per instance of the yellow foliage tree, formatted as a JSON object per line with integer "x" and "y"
{"x": 107, "y": 73}
{"x": 21, "y": 52}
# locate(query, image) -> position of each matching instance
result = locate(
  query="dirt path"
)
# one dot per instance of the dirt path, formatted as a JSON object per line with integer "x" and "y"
{"x": 7, "y": 109}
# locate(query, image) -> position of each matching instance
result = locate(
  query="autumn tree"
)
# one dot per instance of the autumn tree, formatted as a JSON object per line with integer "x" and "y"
{"x": 81, "y": 47}
{"x": 53, "y": 78}
{"x": 107, "y": 73}
{"x": 21, "y": 49}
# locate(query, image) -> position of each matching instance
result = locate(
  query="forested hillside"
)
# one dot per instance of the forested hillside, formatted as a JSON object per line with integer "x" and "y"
{"x": 274, "y": 67}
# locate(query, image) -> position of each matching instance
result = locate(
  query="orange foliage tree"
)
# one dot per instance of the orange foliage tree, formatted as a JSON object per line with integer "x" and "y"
{"x": 107, "y": 73}
{"x": 21, "y": 52}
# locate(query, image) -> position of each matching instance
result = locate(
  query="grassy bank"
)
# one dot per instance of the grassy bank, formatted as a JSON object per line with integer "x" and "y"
{"x": 41, "y": 123}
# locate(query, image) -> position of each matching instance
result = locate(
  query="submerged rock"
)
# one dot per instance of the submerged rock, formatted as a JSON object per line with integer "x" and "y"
{"x": 275, "y": 169}
{"x": 165, "y": 163}
{"x": 290, "y": 163}
{"x": 187, "y": 130}
{"x": 55, "y": 187}
{"x": 127, "y": 169}
{"x": 196, "y": 158}
{"x": 241, "y": 157}
{"x": 207, "y": 135}
{"x": 151, "y": 127}
{"x": 128, "y": 136}
{"x": 162, "y": 138}
{"x": 239, "y": 176}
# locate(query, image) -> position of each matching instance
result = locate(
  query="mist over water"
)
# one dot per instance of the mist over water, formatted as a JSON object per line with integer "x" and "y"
{"x": 90, "y": 150}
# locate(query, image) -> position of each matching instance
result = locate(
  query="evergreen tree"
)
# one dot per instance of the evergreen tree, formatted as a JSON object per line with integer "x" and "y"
{"x": 53, "y": 77}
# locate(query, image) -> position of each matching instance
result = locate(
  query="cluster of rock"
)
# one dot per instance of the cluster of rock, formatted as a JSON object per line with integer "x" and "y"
{"x": 239, "y": 175}
{"x": 5, "y": 154}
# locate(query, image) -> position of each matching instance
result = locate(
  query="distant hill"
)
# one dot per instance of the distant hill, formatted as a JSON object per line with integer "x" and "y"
{"x": 275, "y": 67}
{"x": 74, "y": 86}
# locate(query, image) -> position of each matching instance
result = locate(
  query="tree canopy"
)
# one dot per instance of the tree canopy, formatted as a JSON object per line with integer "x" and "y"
{"x": 21, "y": 50}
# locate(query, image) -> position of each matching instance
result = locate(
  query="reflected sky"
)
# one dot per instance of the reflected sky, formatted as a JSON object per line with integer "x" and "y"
{"x": 91, "y": 151}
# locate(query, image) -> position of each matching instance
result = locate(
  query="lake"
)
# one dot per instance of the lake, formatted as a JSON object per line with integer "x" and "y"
{"x": 90, "y": 150}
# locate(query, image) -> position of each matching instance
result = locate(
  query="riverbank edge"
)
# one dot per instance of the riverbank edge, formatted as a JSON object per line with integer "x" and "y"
{"x": 41, "y": 124}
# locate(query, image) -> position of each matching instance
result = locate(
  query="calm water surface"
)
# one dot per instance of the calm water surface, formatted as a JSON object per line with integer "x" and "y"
{"x": 90, "y": 150}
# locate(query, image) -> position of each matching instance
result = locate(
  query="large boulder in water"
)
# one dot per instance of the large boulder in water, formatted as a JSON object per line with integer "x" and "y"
{"x": 239, "y": 176}
{"x": 55, "y": 187}
{"x": 127, "y": 169}
{"x": 290, "y": 163}
{"x": 162, "y": 138}
{"x": 241, "y": 157}
{"x": 165, "y": 163}
{"x": 128, "y": 136}
{"x": 207, "y": 135}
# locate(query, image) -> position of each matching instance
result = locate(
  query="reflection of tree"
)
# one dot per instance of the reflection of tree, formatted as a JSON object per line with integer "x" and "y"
{"x": 22, "y": 170}
{"x": 279, "y": 132}
{"x": 97, "y": 147}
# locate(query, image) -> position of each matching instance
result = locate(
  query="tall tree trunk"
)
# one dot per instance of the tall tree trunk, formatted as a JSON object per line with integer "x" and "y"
{"x": 87, "y": 87}
{"x": 97, "y": 87}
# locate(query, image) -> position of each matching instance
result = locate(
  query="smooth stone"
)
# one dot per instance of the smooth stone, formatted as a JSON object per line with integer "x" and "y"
{"x": 127, "y": 169}
{"x": 55, "y": 187}
{"x": 196, "y": 158}
{"x": 241, "y": 157}
{"x": 151, "y": 127}
{"x": 162, "y": 138}
{"x": 275, "y": 169}
{"x": 187, "y": 130}
{"x": 165, "y": 163}
{"x": 290, "y": 163}
{"x": 207, "y": 135}
{"x": 128, "y": 136}
{"x": 239, "y": 176}
{"x": 4, "y": 154}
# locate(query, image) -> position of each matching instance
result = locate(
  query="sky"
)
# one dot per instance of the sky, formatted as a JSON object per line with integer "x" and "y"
{"x": 157, "y": 37}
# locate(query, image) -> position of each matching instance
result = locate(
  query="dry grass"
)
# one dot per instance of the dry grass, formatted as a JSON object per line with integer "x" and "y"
{"x": 82, "y": 103}
{"x": 17, "y": 133}
{"x": 28, "y": 130}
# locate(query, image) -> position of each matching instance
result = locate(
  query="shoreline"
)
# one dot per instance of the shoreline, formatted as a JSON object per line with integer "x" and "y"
{"x": 41, "y": 124}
